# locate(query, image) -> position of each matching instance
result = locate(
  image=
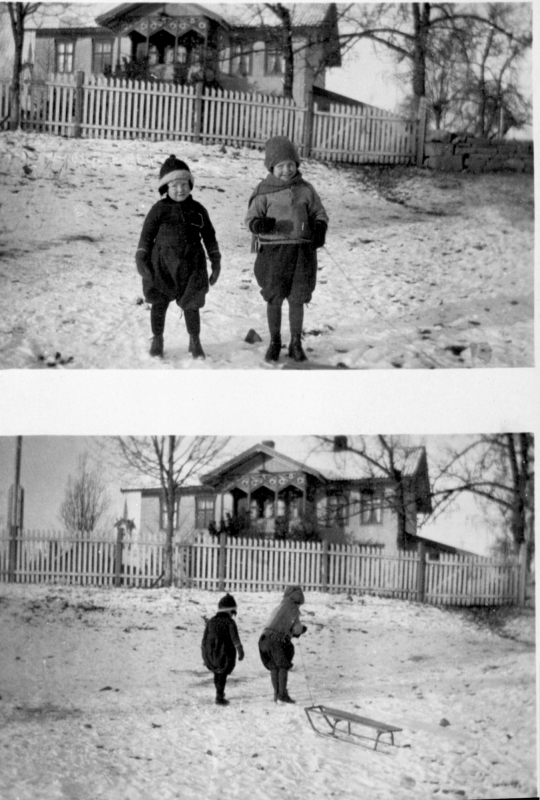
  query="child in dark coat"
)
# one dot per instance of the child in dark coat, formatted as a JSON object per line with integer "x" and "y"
{"x": 275, "y": 646}
{"x": 286, "y": 216}
{"x": 220, "y": 645}
{"x": 170, "y": 256}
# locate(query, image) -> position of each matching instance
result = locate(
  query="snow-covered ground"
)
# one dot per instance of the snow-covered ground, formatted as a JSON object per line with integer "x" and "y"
{"x": 104, "y": 696}
{"x": 421, "y": 270}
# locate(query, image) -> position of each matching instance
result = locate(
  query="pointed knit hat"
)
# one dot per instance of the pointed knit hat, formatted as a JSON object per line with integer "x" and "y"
{"x": 278, "y": 149}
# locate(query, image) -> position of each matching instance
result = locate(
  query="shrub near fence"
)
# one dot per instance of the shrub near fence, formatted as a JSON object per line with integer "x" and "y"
{"x": 118, "y": 108}
{"x": 242, "y": 564}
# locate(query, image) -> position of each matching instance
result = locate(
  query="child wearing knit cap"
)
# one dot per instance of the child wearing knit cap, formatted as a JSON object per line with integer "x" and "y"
{"x": 289, "y": 223}
{"x": 275, "y": 644}
{"x": 220, "y": 645}
{"x": 170, "y": 257}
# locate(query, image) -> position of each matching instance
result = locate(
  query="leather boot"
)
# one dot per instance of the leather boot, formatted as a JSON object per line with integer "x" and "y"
{"x": 283, "y": 694}
{"x": 195, "y": 346}
{"x": 156, "y": 348}
{"x": 274, "y": 348}
{"x": 274, "y": 677}
{"x": 220, "y": 700}
{"x": 220, "y": 680}
{"x": 296, "y": 351}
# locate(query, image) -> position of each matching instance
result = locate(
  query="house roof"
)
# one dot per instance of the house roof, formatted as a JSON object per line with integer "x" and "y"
{"x": 130, "y": 10}
{"x": 244, "y": 15}
{"x": 216, "y": 475}
{"x": 327, "y": 465}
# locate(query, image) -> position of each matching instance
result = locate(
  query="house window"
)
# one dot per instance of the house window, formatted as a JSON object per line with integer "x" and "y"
{"x": 102, "y": 56}
{"x": 241, "y": 60}
{"x": 163, "y": 513}
{"x": 274, "y": 62}
{"x": 370, "y": 508}
{"x": 64, "y": 56}
{"x": 204, "y": 511}
{"x": 337, "y": 510}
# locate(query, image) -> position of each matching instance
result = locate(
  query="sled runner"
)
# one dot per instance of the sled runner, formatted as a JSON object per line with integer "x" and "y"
{"x": 333, "y": 717}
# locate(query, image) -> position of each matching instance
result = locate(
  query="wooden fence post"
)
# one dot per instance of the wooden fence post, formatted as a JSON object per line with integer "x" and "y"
{"x": 221, "y": 562}
{"x": 324, "y": 566}
{"x": 308, "y": 126}
{"x": 79, "y": 105}
{"x": 421, "y": 131}
{"x": 421, "y": 574}
{"x": 118, "y": 555}
{"x": 197, "y": 119}
{"x": 522, "y": 580}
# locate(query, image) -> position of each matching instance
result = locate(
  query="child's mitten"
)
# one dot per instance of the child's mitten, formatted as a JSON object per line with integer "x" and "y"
{"x": 216, "y": 269}
{"x": 240, "y": 651}
{"x": 319, "y": 233}
{"x": 143, "y": 267}
{"x": 263, "y": 225}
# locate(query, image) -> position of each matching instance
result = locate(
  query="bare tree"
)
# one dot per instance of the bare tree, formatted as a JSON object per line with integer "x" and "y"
{"x": 171, "y": 462}
{"x": 418, "y": 34}
{"x": 19, "y": 13}
{"x": 21, "y": 16}
{"x": 498, "y": 469}
{"x": 86, "y": 500}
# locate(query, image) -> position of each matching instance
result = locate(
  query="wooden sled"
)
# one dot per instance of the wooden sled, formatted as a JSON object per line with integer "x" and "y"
{"x": 333, "y": 717}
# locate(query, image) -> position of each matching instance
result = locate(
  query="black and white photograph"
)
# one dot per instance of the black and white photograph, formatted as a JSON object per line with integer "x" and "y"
{"x": 149, "y": 647}
{"x": 172, "y": 173}
{"x": 268, "y": 401}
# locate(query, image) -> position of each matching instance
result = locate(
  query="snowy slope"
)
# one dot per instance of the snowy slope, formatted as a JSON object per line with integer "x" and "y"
{"x": 421, "y": 270}
{"x": 104, "y": 697}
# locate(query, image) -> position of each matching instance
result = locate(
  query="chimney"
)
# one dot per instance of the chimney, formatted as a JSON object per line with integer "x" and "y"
{"x": 340, "y": 443}
{"x": 270, "y": 443}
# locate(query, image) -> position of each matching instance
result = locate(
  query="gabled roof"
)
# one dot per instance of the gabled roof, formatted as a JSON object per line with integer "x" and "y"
{"x": 233, "y": 464}
{"x": 130, "y": 10}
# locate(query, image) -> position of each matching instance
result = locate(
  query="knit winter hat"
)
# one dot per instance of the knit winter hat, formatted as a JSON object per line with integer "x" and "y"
{"x": 172, "y": 170}
{"x": 278, "y": 149}
{"x": 227, "y": 602}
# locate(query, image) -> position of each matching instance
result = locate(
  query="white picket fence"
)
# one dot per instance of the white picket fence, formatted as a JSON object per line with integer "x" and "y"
{"x": 99, "y": 107}
{"x": 241, "y": 564}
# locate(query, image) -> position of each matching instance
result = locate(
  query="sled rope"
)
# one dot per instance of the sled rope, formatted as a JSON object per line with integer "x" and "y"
{"x": 376, "y": 310}
{"x": 305, "y": 672}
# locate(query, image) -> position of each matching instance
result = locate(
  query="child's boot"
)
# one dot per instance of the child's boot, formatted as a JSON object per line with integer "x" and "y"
{"x": 296, "y": 350}
{"x": 274, "y": 349}
{"x": 156, "y": 348}
{"x": 220, "y": 681}
{"x": 283, "y": 695}
{"x": 195, "y": 346}
{"x": 274, "y": 677}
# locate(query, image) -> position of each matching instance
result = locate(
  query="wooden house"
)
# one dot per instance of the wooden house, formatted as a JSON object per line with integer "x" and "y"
{"x": 226, "y": 45}
{"x": 330, "y": 496}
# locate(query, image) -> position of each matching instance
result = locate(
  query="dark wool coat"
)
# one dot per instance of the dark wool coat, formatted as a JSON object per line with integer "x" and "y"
{"x": 219, "y": 643}
{"x": 170, "y": 256}
{"x": 286, "y": 263}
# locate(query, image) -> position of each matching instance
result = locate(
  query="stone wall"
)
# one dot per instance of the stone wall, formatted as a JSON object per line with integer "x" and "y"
{"x": 452, "y": 152}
